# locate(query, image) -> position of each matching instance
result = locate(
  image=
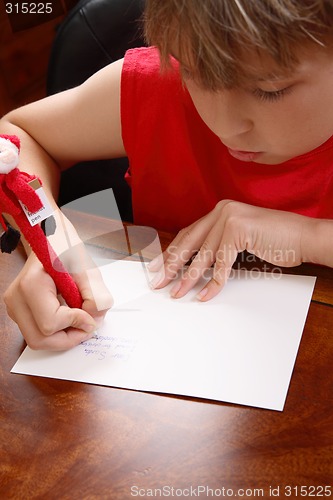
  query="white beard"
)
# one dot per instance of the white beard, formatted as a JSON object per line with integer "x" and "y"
{"x": 9, "y": 154}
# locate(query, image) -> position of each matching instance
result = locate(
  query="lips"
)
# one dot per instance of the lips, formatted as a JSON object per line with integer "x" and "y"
{"x": 244, "y": 155}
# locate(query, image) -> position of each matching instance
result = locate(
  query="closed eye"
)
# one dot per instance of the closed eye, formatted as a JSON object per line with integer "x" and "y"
{"x": 274, "y": 95}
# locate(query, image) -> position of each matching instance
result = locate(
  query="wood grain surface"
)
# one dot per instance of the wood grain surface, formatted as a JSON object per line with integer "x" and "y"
{"x": 67, "y": 440}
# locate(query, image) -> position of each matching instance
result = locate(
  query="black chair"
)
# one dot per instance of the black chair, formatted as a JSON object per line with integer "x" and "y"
{"x": 94, "y": 33}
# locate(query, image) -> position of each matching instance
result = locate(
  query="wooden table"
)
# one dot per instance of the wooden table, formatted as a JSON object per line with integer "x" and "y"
{"x": 67, "y": 440}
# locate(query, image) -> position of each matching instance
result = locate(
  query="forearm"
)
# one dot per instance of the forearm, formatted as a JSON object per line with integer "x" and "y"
{"x": 33, "y": 158}
{"x": 70, "y": 127}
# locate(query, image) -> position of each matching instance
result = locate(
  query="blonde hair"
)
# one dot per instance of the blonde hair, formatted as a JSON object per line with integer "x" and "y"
{"x": 209, "y": 36}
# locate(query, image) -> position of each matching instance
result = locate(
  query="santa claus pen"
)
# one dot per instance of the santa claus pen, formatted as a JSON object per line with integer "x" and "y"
{"x": 20, "y": 199}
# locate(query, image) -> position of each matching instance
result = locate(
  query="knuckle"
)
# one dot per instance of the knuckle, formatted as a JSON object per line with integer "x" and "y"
{"x": 192, "y": 274}
{"x": 185, "y": 234}
{"x": 46, "y": 327}
{"x": 229, "y": 207}
{"x": 205, "y": 246}
{"x": 233, "y": 222}
{"x": 234, "y": 216}
{"x": 171, "y": 271}
{"x": 34, "y": 344}
{"x": 220, "y": 262}
{"x": 221, "y": 269}
{"x": 77, "y": 317}
{"x": 205, "y": 254}
{"x": 217, "y": 281}
{"x": 25, "y": 284}
{"x": 75, "y": 321}
{"x": 169, "y": 251}
{"x": 222, "y": 204}
{"x": 219, "y": 276}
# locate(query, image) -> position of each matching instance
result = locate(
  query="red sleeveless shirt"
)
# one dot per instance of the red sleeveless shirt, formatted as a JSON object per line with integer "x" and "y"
{"x": 179, "y": 169}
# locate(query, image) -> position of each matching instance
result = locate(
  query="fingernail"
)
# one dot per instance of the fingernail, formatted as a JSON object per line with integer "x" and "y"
{"x": 202, "y": 293}
{"x": 175, "y": 289}
{"x": 157, "y": 280}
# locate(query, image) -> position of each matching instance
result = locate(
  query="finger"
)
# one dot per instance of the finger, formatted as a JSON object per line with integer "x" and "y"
{"x": 54, "y": 317}
{"x": 156, "y": 263}
{"x": 225, "y": 258}
{"x": 48, "y": 314}
{"x": 44, "y": 323}
{"x": 35, "y": 339}
{"x": 58, "y": 341}
{"x": 62, "y": 341}
{"x": 183, "y": 247}
{"x": 176, "y": 259}
{"x": 205, "y": 257}
{"x": 97, "y": 299}
{"x": 202, "y": 261}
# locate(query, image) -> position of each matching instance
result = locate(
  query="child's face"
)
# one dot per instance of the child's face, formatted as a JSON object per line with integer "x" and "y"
{"x": 273, "y": 117}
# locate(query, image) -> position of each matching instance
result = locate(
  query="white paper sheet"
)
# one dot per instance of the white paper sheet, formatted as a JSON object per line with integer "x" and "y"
{"x": 239, "y": 347}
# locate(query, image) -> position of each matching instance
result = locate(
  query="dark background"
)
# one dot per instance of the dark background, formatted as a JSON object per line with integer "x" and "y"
{"x": 25, "y": 44}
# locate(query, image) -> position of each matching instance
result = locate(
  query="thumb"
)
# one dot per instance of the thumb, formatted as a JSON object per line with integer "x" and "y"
{"x": 97, "y": 299}
{"x": 79, "y": 319}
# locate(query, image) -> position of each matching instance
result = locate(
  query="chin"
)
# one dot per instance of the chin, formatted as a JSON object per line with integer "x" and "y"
{"x": 267, "y": 159}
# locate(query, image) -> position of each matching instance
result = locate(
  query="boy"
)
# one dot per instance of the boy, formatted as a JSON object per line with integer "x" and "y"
{"x": 231, "y": 143}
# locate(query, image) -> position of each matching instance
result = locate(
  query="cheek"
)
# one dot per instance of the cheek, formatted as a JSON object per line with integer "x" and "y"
{"x": 206, "y": 106}
{"x": 303, "y": 123}
{"x": 317, "y": 120}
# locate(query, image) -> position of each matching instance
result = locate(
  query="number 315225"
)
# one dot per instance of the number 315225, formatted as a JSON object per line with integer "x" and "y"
{"x": 29, "y": 8}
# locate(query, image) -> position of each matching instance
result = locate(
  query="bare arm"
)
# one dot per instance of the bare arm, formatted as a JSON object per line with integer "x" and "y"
{"x": 76, "y": 125}
{"x": 56, "y": 132}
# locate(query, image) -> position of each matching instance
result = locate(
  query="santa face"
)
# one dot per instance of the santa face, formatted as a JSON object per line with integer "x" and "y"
{"x": 9, "y": 156}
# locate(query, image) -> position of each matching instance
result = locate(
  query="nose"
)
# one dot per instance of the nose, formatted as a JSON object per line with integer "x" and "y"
{"x": 234, "y": 119}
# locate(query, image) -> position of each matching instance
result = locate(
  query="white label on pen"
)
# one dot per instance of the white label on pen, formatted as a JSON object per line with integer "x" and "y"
{"x": 44, "y": 212}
